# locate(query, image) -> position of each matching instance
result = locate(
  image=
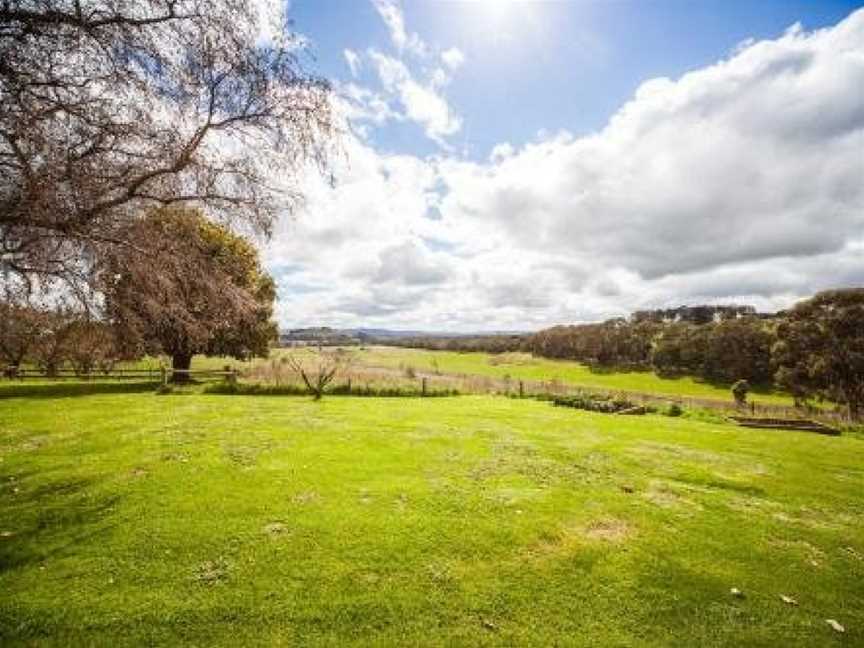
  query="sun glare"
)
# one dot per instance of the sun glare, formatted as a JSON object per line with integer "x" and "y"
{"x": 500, "y": 7}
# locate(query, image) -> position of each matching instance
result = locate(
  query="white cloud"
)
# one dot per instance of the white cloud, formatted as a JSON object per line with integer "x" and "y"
{"x": 420, "y": 96}
{"x": 737, "y": 182}
{"x": 352, "y": 58}
{"x": 360, "y": 105}
{"x": 740, "y": 161}
{"x": 392, "y": 15}
{"x": 421, "y": 103}
{"x": 453, "y": 58}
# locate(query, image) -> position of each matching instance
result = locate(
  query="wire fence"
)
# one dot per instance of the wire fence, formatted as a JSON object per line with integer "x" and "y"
{"x": 376, "y": 377}
{"x": 151, "y": 374}
{"x": 414, "y": 381}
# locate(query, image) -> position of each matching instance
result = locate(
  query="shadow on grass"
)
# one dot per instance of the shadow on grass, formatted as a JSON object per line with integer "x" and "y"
{"x": 77, "y": 388}
{"x": 49, "y": 519}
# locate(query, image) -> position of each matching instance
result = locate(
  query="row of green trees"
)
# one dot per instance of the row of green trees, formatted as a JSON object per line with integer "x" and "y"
{"x": 721, "y": 351}
{"x": 814, "y": 350}
{"x": 463, "y": 343}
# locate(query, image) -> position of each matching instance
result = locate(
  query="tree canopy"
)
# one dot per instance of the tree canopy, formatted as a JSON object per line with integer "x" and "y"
{"x": 820, "y": 348}
{"x": 110, "y": 107}
{"x": 204, "y": 292}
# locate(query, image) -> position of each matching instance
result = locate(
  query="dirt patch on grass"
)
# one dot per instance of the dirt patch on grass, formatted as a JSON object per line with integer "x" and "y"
{"x": 567, "y": 540}
{"x": 244, "y": 456}
{"x": 814, "y": 518}
{"x": 211, "y": 572}
{"x": 751, "y": 504}
{"x": 733, "y": 466}
{"x": 681, "y": 452}
{"x": 666, "y": 496}
{"x": 609, "y": 530}
{"x": 511, "y": 458}
{"x": 182, "y": 457}
{"x": 306, "y": 497}
{"x": 804, "y": 550}
{"x": 559, "y": 542}
{"x": 276, "y": 529}
{"x": 34, "y": 443}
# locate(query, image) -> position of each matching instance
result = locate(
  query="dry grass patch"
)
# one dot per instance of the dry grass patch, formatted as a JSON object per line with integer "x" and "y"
{"x": 665, "y": 495}
{"x": 612, "y": 530}
{"x": 307, "y": 497}
{"x": 804, "y": 550}
{"x": 276, "y": 529}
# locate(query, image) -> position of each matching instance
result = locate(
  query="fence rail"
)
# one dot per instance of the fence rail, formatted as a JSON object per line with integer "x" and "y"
{"x": 465, "y": 383}
{"x": 156, "y": 374}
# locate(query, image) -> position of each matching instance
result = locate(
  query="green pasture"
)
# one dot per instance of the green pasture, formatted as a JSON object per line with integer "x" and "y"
{"x": 195, "y": 519}
{"x": 526, "y": 367}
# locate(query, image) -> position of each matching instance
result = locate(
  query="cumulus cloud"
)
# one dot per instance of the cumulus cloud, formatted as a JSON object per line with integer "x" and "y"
{"x": 745, "y": 160}
{"x": 410, "y": 263}
{"x": 740, "y": 181}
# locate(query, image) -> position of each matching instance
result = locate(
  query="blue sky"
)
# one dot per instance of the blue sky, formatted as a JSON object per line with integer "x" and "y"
{"x": 518, "y": 164}
{"x": 535, "y": 65}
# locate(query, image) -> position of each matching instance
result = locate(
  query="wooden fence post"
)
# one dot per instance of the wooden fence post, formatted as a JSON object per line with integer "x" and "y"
{"x": 164, "y": 372}
{"x": 423, "y": 386}
{"x": 231, "y": 376}
{"x": 521, "y": 389}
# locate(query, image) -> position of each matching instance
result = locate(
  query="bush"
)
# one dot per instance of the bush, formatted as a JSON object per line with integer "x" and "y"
{"x": 674, "y": 409}
{"x": 739, "y": 392}
{"x": 593, "y": 403}
{"x": 257, "y": 389}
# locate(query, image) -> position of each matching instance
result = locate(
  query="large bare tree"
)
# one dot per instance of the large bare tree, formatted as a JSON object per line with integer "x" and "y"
{"x": 110, "y": 106}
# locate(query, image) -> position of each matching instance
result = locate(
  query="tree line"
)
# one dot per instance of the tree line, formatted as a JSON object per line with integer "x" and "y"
{"x": 722, "y": 350}
{"x": 813, "y": 350}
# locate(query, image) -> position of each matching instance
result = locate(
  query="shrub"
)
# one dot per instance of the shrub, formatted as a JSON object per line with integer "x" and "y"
{"x": 674, "y": 409}
{"x": 739, "y": 392}
{"x": 256, "y": 389}
{"x": 593, "y": 403}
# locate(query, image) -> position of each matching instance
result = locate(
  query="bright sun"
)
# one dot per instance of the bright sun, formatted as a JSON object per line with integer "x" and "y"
{"x": 501, "y": 9}
{"x": 498, "y": 6}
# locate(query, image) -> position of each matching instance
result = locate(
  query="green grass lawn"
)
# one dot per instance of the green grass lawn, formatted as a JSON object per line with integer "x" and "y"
{"x": 526, "y": 367}
{"x": 136, "y": 519}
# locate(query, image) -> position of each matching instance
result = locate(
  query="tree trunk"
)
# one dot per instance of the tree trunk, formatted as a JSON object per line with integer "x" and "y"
{"x": 854, "y": 410}
{"x": 180, "y": 361}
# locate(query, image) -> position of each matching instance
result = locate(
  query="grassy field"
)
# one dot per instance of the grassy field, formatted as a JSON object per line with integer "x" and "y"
{"x": 527, "y": 367}
{"x": 131, "y": 518}
{"x": 515, "y": 366}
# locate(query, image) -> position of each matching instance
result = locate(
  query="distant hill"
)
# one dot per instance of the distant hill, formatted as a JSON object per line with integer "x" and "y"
{"x": 331, "y": 336}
